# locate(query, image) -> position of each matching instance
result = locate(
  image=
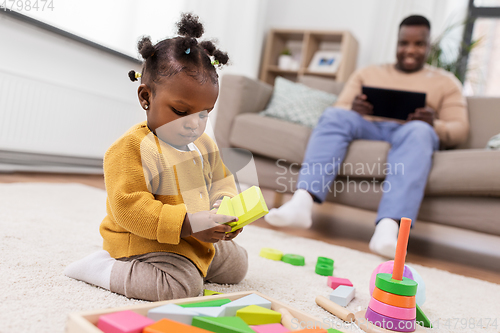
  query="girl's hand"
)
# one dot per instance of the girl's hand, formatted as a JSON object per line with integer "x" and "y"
{"x": 207, "y": 226}
{"x": 232, "y": 235}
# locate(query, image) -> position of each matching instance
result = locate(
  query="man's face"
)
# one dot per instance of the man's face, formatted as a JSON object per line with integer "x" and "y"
{"x": 413, "y": 47}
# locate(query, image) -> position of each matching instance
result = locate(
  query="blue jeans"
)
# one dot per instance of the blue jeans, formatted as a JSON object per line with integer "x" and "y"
{"x": 408, "y": 163}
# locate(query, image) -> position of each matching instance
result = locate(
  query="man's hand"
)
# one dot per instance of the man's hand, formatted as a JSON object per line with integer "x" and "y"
{"x": 209, "y": 227}
{"x": 426, "y": 114}
{"x": 361, "y": 106}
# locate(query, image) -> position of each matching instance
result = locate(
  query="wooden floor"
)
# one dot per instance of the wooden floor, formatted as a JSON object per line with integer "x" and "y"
{"x": 318, "y": 232}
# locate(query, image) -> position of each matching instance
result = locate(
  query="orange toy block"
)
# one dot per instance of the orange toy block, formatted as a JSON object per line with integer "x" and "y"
{"x": 167, "y": 326}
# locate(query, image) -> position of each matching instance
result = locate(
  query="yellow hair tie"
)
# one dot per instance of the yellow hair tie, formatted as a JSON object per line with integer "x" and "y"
{"x": 138, "y": 75}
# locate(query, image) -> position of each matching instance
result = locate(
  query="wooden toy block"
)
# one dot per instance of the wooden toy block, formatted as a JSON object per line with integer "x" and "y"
{"x": 252, "y": 299}
{"x": 167, "y": 325}
{"x": 404, "y": 287}
{"x": 270, "y": 328}
{"x": 334, "y": 282}
{"x": 394, "y": 300}
{"x": 393, "y": 324}
{"x": 324, "y": 269}
{"x": 422, "y": 319}
{"x": 257, "y": 315}
{"x": 392, "y": 311}
{"x": 333, "y": 330}
{"x": 248, "y": 206}
{"x": 273, "y": 254}
{"x": 173, "y": 312}
{"x": 325, "y": 261}
{"x": 207, "y": 292}
{"x": 402, "y": 244}
{"x": 205, "y": 304}
{"x": 335, "y": 309}
{"x": 123, "y": 322}
{"x": 310, "y": 330}
{"x": 287, "y": 319}
{"x": 209, "y": 311}
{"x": 342, "y": 295}
{"x": 222, "y": 324}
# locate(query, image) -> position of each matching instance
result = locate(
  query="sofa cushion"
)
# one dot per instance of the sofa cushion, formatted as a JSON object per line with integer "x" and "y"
{"x": 454, "y": 172}
{"x": 297, "y": 103}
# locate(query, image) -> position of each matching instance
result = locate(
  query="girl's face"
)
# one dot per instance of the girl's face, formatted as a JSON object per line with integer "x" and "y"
{"x": 178, "y": 110}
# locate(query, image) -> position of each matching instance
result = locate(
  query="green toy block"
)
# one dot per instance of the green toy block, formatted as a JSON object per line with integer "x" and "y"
{"x": 206, "y": 304}
{"x": 248, "y": 206}
{"x": 422, "y": 319}
{"x": 257, "y": 315}
{"x": 222, "y": 324}
{"x": 207, "y": 292}
{"x": 333, "y": 330}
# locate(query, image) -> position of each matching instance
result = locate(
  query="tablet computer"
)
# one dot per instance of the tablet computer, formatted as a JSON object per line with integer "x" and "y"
{"x": 396, "y": 104}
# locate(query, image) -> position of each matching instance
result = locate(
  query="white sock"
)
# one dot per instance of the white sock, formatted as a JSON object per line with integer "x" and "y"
{"x": 294, "y": 213}
{"x": 385, "y": 238}
{"x": 94, "y": 269}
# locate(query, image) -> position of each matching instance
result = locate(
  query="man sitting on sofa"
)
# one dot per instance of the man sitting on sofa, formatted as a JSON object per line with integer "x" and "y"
{"x": 443, "y": 121}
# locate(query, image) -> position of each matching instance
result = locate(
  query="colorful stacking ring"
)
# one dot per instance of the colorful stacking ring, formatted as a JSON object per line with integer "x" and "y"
{"x": 389, "y": 323}
{"x": 324, "y": 269}
{"x": 406, "y": 287}
{"x": 293, "y": 259}
{"x": 394, "y": 300}
{"x": 325, "y": 261}
{"x": 393, "y": 311}
{"x": 272, "y": 254}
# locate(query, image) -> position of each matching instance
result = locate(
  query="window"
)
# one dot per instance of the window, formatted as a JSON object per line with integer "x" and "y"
{"x": 481, "y": 68}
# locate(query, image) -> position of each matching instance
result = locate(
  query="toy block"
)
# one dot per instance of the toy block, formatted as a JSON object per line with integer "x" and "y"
{"x": 257, "y": 315}
{"x": 334, "y": 282}
{"x": 205, "y": 304}
{"x": 123, "y": 322}
{"x": 167, "y": 325}
{"x": 325, "y": 261}
{"x": 270, "y": 328}
{"x": 173, "y": 312}
{"x": 335, "y": 309}
{"x": 207, "y": 292}
{"x": 403, "y": 287}
{"x": 333, "y": 330}
{"x": 293, "y": 259}
{"x": 342, "y": 295}
{"x": 315, "y": 330}
{"x": 248, "y": 206}
{"x": 392, "y": 311}
{"x": 209, "y": 311}
{"x": 222, "y": 324}
{"x": 422, "y": 319}
{"x": 252, "y": 299}
{"x": 273, "y": 254}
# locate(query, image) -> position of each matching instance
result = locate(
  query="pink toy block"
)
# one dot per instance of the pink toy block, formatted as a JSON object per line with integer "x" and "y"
{"x": 123, "y": 322}
{"x": 334, "y": 282}
{"x": 269, "y": 328}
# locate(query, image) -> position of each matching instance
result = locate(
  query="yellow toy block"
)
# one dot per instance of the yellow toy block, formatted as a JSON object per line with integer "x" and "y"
{"x": 257, "y": 315}
{"x": 248, "y": 206}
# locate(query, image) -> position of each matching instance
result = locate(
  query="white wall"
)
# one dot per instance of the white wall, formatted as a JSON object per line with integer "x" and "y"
{"x": 374, "y": 23}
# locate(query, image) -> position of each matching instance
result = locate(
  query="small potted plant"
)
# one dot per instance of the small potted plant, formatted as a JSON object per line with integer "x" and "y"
{"x": 285, "y": 60}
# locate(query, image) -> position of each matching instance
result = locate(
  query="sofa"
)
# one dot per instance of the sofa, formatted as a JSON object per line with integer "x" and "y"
{"x": 460, "y": 212}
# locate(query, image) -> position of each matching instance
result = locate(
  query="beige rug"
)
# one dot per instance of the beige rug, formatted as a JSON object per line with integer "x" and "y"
{"x": 44, "y": 227}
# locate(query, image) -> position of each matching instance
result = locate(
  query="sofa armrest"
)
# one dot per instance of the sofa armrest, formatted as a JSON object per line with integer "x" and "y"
{"x": 238, "y": 94}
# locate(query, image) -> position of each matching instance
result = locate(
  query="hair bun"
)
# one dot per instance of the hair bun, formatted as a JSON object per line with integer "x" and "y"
{"x": 190, "y": 26}
{"x": 208, "y": 46}
{"x": 132, "y": 76}
{"x": 145, "y": 47}
{"x": 221, "y": 57}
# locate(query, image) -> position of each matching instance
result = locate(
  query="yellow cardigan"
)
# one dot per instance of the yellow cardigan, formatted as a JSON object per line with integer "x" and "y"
{"x": 150, "y": 187}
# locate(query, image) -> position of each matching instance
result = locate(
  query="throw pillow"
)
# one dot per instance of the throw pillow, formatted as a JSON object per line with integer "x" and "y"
{"x": 494, "y": 143}
{"x": 297, "y": 103}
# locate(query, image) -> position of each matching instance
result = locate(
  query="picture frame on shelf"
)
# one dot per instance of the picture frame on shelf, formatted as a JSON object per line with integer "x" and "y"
{"x": 325, "y": 61}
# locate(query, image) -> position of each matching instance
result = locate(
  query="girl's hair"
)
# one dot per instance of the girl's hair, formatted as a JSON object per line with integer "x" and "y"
{"x": 180, "y": 54}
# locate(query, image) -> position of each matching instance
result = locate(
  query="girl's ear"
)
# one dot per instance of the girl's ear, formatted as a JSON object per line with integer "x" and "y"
{"x": 144, "y": 94}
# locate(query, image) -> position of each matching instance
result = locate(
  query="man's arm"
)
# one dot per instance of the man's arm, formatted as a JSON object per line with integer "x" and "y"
{"x": 351, "y": 89}
{"x": 452, "y": 120}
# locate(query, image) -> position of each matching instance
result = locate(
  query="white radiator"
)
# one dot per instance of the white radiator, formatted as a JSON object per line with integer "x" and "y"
{"x": 52, "y": 125}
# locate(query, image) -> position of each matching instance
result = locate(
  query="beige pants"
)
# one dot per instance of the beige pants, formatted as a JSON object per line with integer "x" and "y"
{"x": 160, "y": 276}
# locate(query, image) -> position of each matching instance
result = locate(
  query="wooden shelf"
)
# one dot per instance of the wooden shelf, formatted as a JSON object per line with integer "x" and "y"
{"x": 303, "y": 44}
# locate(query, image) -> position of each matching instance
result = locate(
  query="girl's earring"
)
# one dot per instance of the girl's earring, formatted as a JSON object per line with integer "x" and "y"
{"x": 146, "y": 106}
